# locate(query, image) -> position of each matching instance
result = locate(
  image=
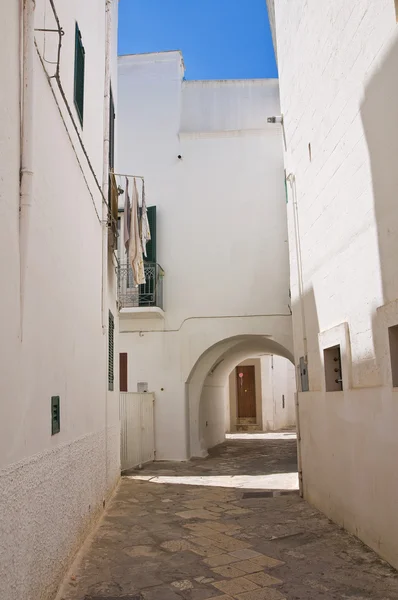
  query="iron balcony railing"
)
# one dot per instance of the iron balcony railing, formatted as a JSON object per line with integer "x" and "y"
{"x": 148, "y": 294}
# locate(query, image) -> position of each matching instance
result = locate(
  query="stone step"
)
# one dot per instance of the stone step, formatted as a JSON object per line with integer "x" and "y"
{"x": 246, "y": 420}
{"x": 248, "y": 427}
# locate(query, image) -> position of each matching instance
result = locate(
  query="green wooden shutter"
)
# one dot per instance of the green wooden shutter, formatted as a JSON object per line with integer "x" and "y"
{"x": 111, "y": 337}
{"x": 79, "y": 74}
{"x": 111, "y": 132}
{"x": 151, "y": 246}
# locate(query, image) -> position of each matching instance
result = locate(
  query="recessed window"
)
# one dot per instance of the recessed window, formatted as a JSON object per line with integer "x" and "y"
{"x": 55, "y": 415}
{"x": 393, "y": 338}
{"x": 333, "y": 372}
{"x": 79, "y": 74}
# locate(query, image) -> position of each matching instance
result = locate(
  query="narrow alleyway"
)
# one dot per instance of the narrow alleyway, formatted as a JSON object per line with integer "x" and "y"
{"x": 195, "y": 531}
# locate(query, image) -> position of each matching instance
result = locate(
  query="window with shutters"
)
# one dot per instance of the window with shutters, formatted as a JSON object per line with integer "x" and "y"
{"x": 79, "y": 74}
{"x": 111, "y": 132}
{"x": 151, "y": 245}
{"x": 111, "y": 340}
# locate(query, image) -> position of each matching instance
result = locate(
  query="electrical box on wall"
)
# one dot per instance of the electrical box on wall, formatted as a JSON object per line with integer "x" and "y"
{"x": 303, "y": 369}
{"x": 142, "y": 387}
{"x": 55, "y": 415}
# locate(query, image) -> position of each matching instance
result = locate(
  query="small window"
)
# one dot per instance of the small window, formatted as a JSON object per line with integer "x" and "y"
{"x": 55, "y": 415}
{"x": 79, "y": 74}
{"x": 111, "y": 339}
{"x": 393, "y": 338}
{"x": 333, "y": 372}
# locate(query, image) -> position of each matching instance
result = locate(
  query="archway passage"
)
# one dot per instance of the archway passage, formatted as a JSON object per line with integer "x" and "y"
{"x": 210, "y": 392}
{"x": 260, "y": 395}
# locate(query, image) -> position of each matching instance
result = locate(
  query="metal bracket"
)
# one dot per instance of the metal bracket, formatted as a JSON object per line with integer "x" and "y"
{"x": 59, "y": 31}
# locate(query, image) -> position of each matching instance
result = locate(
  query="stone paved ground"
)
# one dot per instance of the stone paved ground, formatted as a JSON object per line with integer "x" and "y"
{"x": 167, "y": 541}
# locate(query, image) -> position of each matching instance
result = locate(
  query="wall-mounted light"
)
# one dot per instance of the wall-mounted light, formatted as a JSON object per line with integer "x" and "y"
{"x": 279, "y": 120}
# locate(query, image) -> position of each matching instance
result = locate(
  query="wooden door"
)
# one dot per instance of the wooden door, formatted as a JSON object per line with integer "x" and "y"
{"x": 246, "y": 392}
{"x": 123, "y": 371}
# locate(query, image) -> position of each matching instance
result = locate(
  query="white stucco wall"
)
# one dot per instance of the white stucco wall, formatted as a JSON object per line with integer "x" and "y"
{"x": 221, "y": 224}
{"x": 278, "y": 379}
{"x": 212, "y": 414}
{"x": 52, "y": 488}
{"x": 337, "y": 65}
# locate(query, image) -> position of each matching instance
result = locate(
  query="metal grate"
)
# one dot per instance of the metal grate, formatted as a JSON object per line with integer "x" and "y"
{"x": 55, "y": 415}
{"x": 134, "y": 597}
{"x": 149, "y": 294}
{"x": 269, "y": 494}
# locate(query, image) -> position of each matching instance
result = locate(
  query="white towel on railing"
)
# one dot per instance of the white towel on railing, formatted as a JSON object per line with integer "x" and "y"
{"x": 135, "y": 247}
{"x": 145, "y": 230}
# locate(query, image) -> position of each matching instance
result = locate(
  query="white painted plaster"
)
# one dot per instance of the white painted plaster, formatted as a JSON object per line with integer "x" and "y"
{"x": 337, "y": 63}
{"x": 221, "y": 233}
{"x": 52, "y": 487}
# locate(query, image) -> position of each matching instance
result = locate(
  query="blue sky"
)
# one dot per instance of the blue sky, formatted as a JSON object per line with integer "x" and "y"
{"x": 219, "y": 39}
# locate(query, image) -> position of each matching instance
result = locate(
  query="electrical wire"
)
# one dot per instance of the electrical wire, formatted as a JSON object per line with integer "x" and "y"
{"x": 68, "y": 133}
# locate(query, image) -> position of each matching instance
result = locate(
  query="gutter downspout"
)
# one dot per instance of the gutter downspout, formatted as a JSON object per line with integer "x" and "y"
{"x": 292, "y": 180}
{"x": 26, "y": 168}
{"x": 105, "y": 165}
{"x": 105, "y": 189}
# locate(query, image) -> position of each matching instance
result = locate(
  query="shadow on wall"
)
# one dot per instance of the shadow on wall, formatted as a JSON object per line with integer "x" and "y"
{"x": 380, "y": 121}
{"x": 315, "y": 364}
{"x": 309, "y": 330}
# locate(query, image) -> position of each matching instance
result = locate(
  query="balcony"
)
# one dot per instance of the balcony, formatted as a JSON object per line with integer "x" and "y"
{"x": 144, "y": 301}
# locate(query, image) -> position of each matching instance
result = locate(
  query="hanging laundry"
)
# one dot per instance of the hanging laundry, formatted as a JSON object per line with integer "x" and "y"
{"x": 127, "y": 217}
{"x": 135, "y": 247}
{"x": 145, "y": 230}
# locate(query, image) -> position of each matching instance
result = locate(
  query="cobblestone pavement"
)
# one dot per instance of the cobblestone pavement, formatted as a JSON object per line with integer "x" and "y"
{"x": 179, "y": 541}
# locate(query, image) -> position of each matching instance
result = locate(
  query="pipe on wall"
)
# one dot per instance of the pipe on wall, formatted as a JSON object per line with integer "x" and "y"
{"x": 105, "y": 164}
{"x": 292, "y": 180}
{"x": 26, "y": 168}
{"x": 104, "y": 220}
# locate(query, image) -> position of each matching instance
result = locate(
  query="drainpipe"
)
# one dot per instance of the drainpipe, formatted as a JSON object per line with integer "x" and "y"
{"x": 105, "y": 190}
{"x": 105, "y": 166}
{"x": 292, "y": 180}
{"x": 26, "y": 168}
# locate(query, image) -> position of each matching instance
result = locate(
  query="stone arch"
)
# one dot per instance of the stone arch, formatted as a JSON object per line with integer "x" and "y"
{"x": 218, "y": 361}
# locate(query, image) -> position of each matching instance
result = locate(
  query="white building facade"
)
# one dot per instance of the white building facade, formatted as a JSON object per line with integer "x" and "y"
{"x": 213, "y": 167}
{"x": 59, "y": 425}
{"x": 337, "y": 63}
